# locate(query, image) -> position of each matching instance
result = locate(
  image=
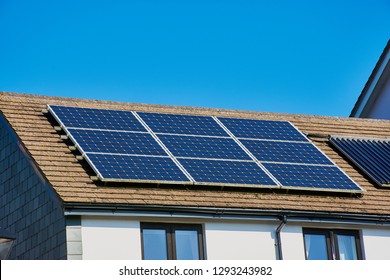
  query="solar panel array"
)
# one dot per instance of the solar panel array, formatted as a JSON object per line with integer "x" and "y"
{"x": 183, "y": 149}
{"x": 372, "y": 156}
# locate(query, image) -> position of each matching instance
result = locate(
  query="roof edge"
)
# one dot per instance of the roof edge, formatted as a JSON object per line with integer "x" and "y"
{"x": 363, "y": 95}
{"x": 196, "y": 110}
{"x": 71, "y": 209}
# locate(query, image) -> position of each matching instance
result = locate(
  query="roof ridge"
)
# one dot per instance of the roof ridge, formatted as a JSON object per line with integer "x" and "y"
{"x": 124, "y": 105}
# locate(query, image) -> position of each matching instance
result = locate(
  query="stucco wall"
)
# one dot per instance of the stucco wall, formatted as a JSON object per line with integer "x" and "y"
{"x": 376, "y": 243}
{"x": 110, "y": 238}
{"x": 120, "y": 238}
{"x": 243, "y": 241}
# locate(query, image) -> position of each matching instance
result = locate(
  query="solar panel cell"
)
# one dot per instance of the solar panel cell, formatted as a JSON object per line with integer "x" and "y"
{"x": 74, "y": 117}
{"x": 182, "y": 124}
{"x": 311, "y": 177}
{"x": 291, "y": 152}
{"x": 263, "y": 129}
{"x": 203, "y": 147}
{"x": 136, "y": 168}
{"x": 116, "y": 142}
{"x": 227, "y": 172}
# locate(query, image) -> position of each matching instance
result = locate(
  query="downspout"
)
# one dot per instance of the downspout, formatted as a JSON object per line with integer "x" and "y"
{"x": 278, "y": 244}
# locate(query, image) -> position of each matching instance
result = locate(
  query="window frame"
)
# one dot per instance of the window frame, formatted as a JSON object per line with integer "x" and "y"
{"x": 170, "y": 229}
{"x": 332, "y": 243}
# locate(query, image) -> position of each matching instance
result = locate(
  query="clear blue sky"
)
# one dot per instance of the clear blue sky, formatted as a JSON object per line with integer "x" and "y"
{"x": 305, "y": 57}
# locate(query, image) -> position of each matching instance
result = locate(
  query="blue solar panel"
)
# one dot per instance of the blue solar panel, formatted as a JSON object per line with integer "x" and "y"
{"x": 203, "y": 147}
{"x": 372, "y": 156}
{"x": 292, "y": 152}
{"x": 227, "y": 172}
{"x": 182, "y": 124}
{"x": 136, "y": 168}
{"x": 311, "y": 177}
{"x": 96, "y": 118}
{"x": 262, "y": 129}
{"x": 116, "y": 142}
{"x": 120, "y": 148}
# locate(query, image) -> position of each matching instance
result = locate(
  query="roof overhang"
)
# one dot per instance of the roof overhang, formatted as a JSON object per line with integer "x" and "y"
{"x": 210, "y": 213}
{"x": 374, "y": 85}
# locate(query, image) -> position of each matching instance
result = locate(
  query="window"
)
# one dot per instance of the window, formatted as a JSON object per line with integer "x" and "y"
{"x": 171, "y": 241}
{"x": 324, "y": 244}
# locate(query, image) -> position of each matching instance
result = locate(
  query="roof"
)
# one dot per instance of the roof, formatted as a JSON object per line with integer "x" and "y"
{"x": 370, "y": 90}
{"x": 73, "y": 184}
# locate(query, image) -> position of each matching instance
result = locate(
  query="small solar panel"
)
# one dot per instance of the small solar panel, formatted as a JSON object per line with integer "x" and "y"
{"x": 74, "y": 117}
{"x": 121, "y": 142}
{"x": 286, "y": 152}
{"x": 312, "y": 177}
{"x": 372, "y": 156}
{"x": 203, "y": 147}
{"x": 136, "y": 168}
{"x": 262, "y": 129}
{"x": 182, "y": 124}
{"x": 226, "y": 172}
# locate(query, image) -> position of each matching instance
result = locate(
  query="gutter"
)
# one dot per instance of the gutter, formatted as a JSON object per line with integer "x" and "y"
{"x": 278, "y": 244}
{"x": 145, "y": 211}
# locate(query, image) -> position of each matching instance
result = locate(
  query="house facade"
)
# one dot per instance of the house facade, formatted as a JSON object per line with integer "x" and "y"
{"x": 57, "y": 208}
{"x": 374, "y": 100}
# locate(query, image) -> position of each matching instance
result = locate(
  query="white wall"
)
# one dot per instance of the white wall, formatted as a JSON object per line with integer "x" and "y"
{"x": 293, "y": 247}
{"x": 110, "y": 239}
{"x": 376, "y": 244}
{"x": 233, "y": 241}
{"x": 381, "y": 107}
{"x": 120, "y": 239}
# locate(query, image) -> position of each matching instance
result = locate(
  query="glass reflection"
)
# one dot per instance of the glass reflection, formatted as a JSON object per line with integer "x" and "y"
{"x": 155, "y": 244}
{"x": 316, "y": 247}
{"x": 187, "y": 247}
{"x": 347, "y": 247}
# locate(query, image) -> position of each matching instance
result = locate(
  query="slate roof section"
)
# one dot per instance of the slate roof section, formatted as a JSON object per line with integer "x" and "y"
{"x": 73, "y": 184}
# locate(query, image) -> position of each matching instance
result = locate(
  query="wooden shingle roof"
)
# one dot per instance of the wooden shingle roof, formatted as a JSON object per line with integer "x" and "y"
{"x": 71, "y": 181}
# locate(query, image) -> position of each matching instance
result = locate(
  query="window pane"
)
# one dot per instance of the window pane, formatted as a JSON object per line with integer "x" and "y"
{"x": 155, "y": 244}
{"x": 187, "y": 247}
{"x": 347, "y": 247}
{"x": 316, "y": 247}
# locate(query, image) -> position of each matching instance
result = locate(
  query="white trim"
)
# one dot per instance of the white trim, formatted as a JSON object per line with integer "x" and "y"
{"x": 223, "y": 217}
{"x": 371, "y": 88}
